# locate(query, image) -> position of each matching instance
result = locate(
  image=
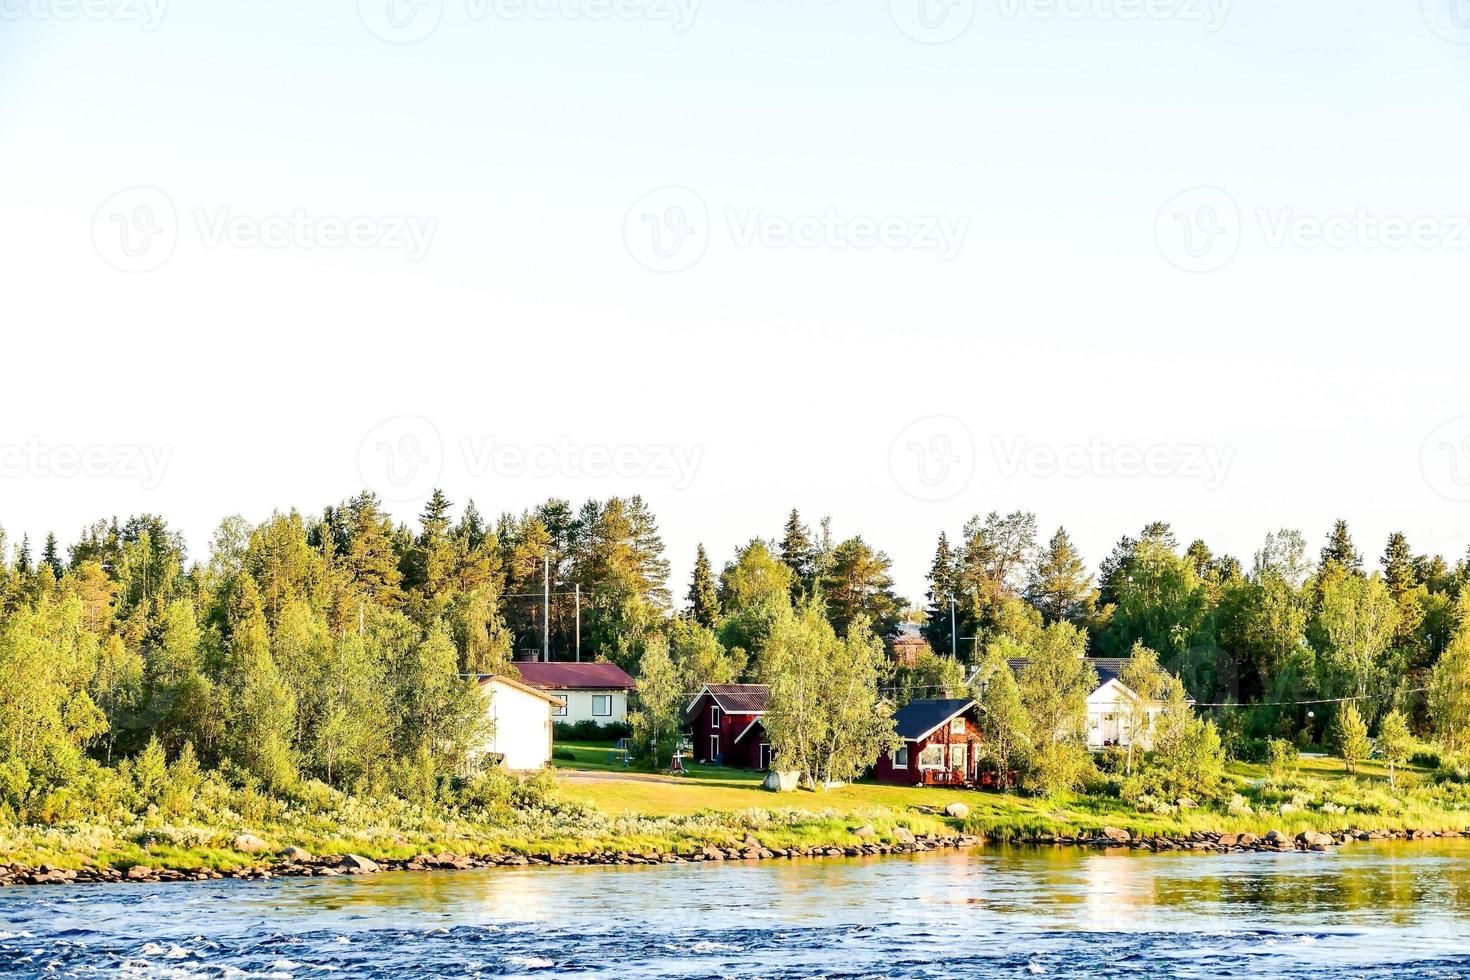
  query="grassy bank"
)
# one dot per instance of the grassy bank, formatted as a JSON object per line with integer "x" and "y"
{"x": 599, "y": 805}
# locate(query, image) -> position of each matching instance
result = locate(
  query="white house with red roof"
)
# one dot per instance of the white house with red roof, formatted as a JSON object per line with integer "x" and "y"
{"x": 596, "y": 692}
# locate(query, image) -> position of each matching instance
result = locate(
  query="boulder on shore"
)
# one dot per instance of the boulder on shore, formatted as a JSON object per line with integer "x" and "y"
{"x": 250, "y": 844}
{"x": 299, "y": 855}
{"x": 356, "y": 864}
{"x": 957, "y": 810}
{"x": 1117, "y": 835}
{"x": 781, "y": 782}
{"x": 866, "y": 831}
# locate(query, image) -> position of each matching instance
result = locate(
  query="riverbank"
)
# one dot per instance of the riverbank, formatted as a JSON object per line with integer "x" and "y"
{"x": 302, "y": 864}
{"x": 620, "y": 817}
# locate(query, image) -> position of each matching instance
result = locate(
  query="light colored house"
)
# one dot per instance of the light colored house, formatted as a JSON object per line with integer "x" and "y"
{"x": 520, "y": 723}
{"x": 1108, "y": 706}
{"x": 596, "y": 692}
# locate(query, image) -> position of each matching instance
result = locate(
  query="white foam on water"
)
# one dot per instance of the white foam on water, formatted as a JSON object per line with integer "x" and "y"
{"x": 530, "y": 962}
{"x": 1035, "y": 969}
{"x": 705, "y": 946}
{"x": 284, "y": 965}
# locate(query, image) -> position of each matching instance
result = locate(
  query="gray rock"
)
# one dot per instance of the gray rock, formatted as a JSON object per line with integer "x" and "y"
{"x": 356, "y": 864}
{"x": 297, "y": 854}
{"x": 866, "y": 831}
{"x": 957, "y": 810}
{"x": 250, "y": 844}
{"x": 1117, "y": 835}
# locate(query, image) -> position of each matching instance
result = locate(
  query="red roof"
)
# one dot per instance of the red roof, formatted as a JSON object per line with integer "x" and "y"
{"x": 737, "y": 699}
{"x": 577, "y": 677}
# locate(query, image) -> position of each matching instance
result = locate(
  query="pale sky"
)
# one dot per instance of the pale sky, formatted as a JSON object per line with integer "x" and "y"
{"x": 1110, "y": 261}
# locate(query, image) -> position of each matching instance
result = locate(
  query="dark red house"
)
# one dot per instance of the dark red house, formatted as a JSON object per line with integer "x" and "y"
{"x": 725, "y": 725}
{"x": 941, "y": 744}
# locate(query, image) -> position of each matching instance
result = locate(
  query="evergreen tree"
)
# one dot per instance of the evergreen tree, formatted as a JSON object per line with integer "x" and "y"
{"x": 857, "y": 586}
{"x": 799, "y": 554}
{"x": 704, "y": 600}
{"x": 51, "y": 556}
{"x": 1340, "y": 552}
{"x": 1060, "y": 588}
{"x": 942, "y": 610}
{"x": 23, "y": 556}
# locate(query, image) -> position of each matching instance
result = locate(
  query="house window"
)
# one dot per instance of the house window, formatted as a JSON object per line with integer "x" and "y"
{"x": 714, "y": 716}
{"x": 765, "y": 756}
{"x": 957, "y": 726}
{"x": 602, "y": 705}
{"x": 959, "y": 758}
{"x": 901, "y": 758}
{"x": 932, "y": 757}
{"x": 560, "y": 710}
{"x": 714, "y": 748}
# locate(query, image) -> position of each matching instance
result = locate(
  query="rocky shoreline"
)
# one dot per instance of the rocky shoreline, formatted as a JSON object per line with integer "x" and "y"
{"x": 297, "y": 863}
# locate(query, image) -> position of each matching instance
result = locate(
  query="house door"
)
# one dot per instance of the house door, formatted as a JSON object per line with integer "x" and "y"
{"x": 959, "y": 760}
{"x": 714, "y": 748}
{"x": 765, "y": 756}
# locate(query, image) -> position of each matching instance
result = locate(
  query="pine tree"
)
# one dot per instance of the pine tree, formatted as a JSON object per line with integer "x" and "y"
{"x": 704, "y": 602}
{"x": 23, "y": 556}
{"x": 799, "y": 554}
{"x": 51, "y": 555}
{"x": 943, "y": 600}
{"x": 1060, "y": 587}
{"x": 1340, "y": 552}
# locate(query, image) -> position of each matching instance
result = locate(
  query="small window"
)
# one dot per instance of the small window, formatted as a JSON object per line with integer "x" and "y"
{"x": 901, "y": 758}
{"x": 932, "y": 757}
{"x": 560, "y": 710}
{"x": 714, "y": 715}
{"x": 602, "y": 705}
{"x": 957, "y": 726}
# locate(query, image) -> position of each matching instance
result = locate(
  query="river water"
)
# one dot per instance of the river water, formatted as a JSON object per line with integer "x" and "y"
{"x": 1390, "y": 909}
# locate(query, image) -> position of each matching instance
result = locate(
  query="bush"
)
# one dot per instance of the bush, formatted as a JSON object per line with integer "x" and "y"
{"x": 566, "y": 755}
{"x": 1426, "y": 758}
{"x": 1253, "y": 750}
{"x": 590, "y": 731}
{"x": 1281, "y": 757}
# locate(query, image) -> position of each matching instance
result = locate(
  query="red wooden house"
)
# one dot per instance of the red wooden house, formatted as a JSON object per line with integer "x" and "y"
{"x": 725, "y": 723}
{"x": 941, "y": 744}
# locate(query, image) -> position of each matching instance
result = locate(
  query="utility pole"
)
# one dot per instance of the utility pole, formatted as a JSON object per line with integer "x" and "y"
{"x": 953, "y": 649}
{"x": 546, "y": 607}
{"x": 578, "y": 590}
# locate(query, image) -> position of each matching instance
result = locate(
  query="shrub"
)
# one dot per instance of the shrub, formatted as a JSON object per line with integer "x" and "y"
{"x": 566, "y": 755}
{"x": 590, "y": 731}
{"x": 1281, "y": 757}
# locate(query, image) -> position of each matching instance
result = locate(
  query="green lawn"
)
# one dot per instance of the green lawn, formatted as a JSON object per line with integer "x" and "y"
{"x": 718, "y": 789}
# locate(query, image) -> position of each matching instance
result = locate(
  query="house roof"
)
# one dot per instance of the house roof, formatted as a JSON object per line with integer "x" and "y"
{"x": 754, "y": 722}
{"x": 575, "y": 677}
{"x": 921, "y": 717}
{"x": 1108, "y": 669}
{"x": 515, "y": 683}
{"x": 736, "y": 699}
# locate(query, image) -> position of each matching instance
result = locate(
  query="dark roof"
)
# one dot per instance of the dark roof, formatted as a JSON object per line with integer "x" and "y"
{"x": 740, "y": 699}
{"x": 564, "y": 676}
{"x": 918, "y": 718}
{"x": 1108, "y": 668}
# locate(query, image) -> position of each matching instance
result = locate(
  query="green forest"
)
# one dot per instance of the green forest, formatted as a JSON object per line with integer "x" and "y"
{"x": 335, "y": 653}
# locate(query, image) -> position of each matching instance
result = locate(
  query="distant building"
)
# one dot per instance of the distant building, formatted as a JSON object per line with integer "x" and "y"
{"x": 520, "y": 724}
{"x": 1108, "y": 705}
{"x": 727, "y": 727}
{"x": 596, "y": 692}
{"x": 941, "y": 744}
{"x": 908, "y": 645}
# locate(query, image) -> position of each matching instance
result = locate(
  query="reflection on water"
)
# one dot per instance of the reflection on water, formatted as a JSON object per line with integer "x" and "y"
{"x": 1369, "y": 909}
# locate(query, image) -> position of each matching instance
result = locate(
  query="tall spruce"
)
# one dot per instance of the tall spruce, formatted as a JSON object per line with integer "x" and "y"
{"x": 703, "y": 597}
